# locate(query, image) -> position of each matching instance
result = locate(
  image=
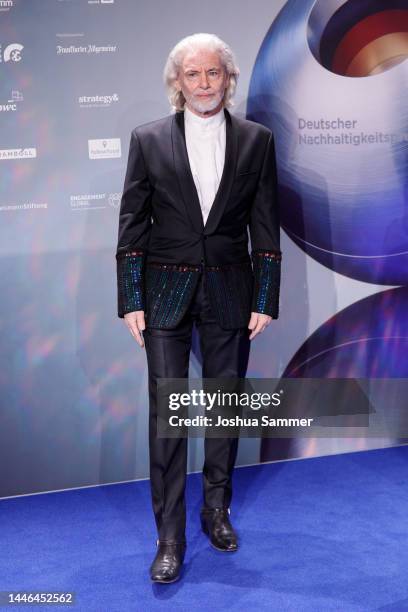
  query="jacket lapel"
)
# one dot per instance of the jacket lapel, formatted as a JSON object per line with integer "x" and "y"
{"x": 186, "y": 180}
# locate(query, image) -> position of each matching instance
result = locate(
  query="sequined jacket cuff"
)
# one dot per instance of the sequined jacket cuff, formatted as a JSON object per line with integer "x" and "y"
{"x": 130, "y": 266}
{"x": 267, "y": 274}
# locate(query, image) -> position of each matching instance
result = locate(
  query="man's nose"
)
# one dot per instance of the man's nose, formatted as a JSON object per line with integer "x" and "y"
{"x": 204, "y": 80}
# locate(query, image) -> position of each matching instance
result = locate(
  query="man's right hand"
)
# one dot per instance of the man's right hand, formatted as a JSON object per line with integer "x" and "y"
{"x": 136, "y": 323}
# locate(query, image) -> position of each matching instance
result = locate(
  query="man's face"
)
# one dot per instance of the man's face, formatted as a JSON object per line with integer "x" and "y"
{"x": 203, "y": 80}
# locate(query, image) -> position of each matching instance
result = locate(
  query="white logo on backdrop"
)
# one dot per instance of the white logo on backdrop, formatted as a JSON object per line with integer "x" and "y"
{"x": 87, "y": 49}
{"x": 6, "y": 5}
{"x": 24, "y": 206}
{"x": 97, "y": 101}
{"x": 114, "y": 199}
{"x": 18, "y": 153}
{"x": 16, "y": 96}
{"x": 83, "y": 201}
{"x": 12, "y": 53}
{"x": 11, "y": 104}
{"x": 104, "y": 148}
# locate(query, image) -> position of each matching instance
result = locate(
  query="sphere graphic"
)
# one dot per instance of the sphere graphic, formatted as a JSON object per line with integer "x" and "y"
{"x": 368, "y": 339}
{"x": 331, "y": 81}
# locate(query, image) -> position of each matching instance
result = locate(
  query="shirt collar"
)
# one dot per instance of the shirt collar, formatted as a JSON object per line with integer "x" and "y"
{"x": 204, "y": 124}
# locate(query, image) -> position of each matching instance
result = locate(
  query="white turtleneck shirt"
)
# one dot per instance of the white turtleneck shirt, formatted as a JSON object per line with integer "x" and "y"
{"x": 205, "y": 141}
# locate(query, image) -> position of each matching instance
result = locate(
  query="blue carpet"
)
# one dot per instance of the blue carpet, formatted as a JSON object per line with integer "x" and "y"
{"x": 321, "y": 534}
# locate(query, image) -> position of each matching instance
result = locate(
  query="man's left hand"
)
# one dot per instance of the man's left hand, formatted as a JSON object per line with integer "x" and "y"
{"x": 257, "y": 323}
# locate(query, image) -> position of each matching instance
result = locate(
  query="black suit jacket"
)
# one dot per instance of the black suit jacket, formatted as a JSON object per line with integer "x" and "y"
{"x": 163, "y": 244}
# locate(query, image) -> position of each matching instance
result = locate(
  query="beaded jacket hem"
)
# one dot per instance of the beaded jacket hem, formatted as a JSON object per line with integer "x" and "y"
{"x": 164, "y": 291}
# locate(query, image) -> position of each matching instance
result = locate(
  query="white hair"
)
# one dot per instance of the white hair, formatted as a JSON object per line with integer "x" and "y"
{"x": 194, "y": 43}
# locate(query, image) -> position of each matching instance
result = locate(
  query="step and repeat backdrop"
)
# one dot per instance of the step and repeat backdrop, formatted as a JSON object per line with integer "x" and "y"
{"x": 329, "y": 77}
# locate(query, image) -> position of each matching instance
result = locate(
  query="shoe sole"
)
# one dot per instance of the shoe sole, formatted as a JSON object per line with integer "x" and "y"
{"x": 224, "y": 549}
{"x": 166, "y": 581}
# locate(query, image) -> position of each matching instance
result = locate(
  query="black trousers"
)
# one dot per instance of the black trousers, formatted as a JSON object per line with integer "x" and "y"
{"x": 225, "y": 353}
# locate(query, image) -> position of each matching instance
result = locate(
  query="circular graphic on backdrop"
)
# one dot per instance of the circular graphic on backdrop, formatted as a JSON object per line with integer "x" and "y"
{"x": 341, "y": 138}
{"x": 360, "y": 38}
{"x": 368, "y": 339}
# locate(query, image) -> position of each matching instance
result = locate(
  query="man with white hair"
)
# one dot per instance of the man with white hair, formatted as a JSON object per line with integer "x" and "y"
{"x": 195, "y": 181}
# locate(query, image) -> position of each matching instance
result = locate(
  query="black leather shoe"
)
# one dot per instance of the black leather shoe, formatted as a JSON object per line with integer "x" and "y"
{"x": 216, "y": 524}
{"x": 167, "y": 563}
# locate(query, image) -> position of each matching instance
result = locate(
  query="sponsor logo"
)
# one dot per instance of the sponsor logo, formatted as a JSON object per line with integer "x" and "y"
{"x": 114, "y": 199}
{"x": 84, "y": 201}
{"x": 85, "y": 49}
{"x": 11, "y": 53}
{"x": 6, "y": 5}
{"x": 18, "y": 153}
{"x": 104, "y": 101}
{"x": 24, "y": 206}
{"x": 12, "y": 103}
{"x": 104, "y": 148}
